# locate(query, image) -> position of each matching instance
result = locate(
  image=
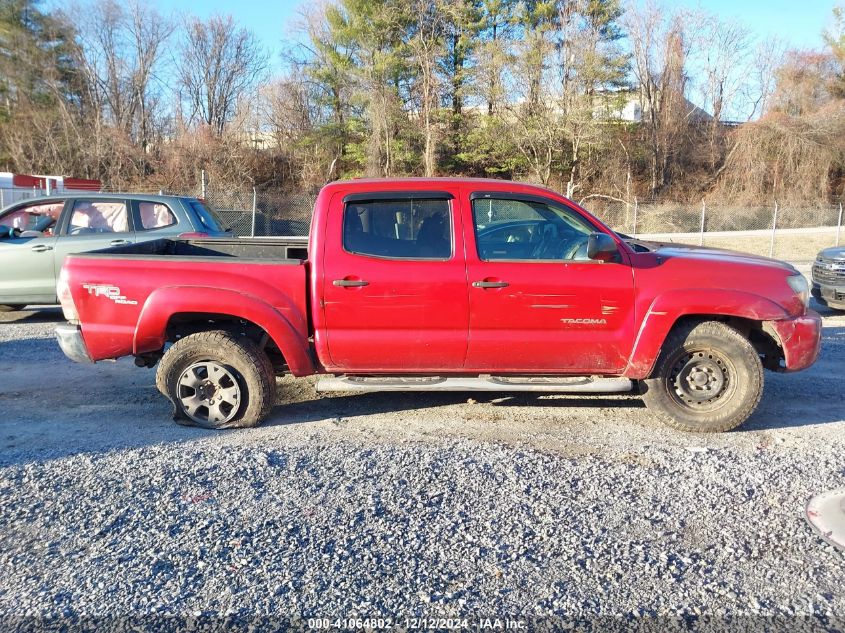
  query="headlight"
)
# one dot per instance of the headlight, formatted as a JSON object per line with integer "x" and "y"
{"x": 800, "y": 286}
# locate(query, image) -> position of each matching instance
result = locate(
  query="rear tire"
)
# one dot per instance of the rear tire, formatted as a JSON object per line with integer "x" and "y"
{"x": 708, "y": 379}
{"x": 11, "y": 308}
{"x": 217, "y": 380}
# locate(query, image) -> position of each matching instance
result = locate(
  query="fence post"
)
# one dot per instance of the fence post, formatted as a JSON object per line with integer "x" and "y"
{"x": 3, "y": 202}
{"x": 774, "y": 230}
{"x": 838, "y": 223}
{"x": 202, "y": 183}
{"x": 636, "y": 209}
{"x": 701, "y": 232}
{"x": 252, "y": 232}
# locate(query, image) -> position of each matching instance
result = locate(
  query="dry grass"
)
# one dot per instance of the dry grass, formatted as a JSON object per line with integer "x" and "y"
{"x": 790, "y": 247}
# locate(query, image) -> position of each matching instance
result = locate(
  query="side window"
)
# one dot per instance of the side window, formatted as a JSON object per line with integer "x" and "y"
{"x": 155, "y": 215}
{"x": 41, "y": 218}
{"x": 98, "y": 216}
{"x": 398, "y": 229}
{"x": 209, "y": 219}
{"x": 528, "y": 230}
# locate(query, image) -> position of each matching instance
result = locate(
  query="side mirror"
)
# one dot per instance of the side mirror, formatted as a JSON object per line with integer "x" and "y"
{"x": 601, "y": 247}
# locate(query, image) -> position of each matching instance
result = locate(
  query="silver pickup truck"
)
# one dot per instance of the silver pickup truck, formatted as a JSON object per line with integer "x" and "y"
{"x": 37, "y": 234}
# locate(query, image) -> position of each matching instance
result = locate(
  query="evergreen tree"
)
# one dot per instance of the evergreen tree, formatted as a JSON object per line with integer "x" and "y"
{"x": 36, "y": 64}
{"x": 371, "y": 33}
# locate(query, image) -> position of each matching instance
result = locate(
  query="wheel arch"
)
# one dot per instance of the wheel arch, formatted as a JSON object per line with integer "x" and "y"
{"x": 171, "y": 313}
{"x": 746, "y": 312}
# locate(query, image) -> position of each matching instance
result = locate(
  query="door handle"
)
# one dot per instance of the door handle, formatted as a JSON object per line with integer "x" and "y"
{"x": 40, "y": 248}
{"x": 490, "y": 284}
{"x": 350, "y": 283}
{"x": 119, "y": 242}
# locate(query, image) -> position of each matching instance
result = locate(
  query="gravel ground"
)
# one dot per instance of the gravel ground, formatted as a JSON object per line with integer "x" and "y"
{"x": 400, "y": 505}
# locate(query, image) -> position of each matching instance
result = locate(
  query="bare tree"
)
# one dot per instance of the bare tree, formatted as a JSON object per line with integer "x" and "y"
{"x": 219, "y": 64}
{"x": 660, "y": 43}
{"x": 725, "y": 75}
{"x": 590, "y": 61}
{"x": 768, "y": 57}
{"x": 149, "y": 32}
{"x": 291, "y": 108}
{"x": 537, "y": 133}
{"x": 794, "y": 158}
{"x": 286, "y": 105}
{"x": 755, "y": 97}
{"x": 120, "y": 53}
{"x": 426, "y": 45}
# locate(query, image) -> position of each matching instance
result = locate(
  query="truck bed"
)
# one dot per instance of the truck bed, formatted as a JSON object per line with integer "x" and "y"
{"x": 277, "y": 248}
{"x": 125, "y": 294}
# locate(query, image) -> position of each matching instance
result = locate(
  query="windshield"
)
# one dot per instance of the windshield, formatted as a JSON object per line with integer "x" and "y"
{"x": 210, "y": 220}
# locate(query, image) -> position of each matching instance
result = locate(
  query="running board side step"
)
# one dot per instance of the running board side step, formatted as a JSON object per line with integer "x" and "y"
{"x": 562, "y": 384}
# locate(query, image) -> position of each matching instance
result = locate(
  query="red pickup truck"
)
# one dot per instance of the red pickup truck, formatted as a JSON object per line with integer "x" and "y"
{"x": 443, "y": 284}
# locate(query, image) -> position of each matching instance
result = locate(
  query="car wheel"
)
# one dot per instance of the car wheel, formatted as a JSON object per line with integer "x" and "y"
{"x": 708, "y": 379}
{"x": 11, "y": 308}
{"x": 217, "y": 380}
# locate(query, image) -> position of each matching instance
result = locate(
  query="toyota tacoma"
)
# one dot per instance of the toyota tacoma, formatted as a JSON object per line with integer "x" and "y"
{"x": 442, "y": 284}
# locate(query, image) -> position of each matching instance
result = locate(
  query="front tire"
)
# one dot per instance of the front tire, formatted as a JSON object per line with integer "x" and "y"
{"x": 217, "y": 380}
{"x": 708, "y": 379}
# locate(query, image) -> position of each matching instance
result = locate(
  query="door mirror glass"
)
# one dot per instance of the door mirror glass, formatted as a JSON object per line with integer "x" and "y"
{"x": 601, "y": 247}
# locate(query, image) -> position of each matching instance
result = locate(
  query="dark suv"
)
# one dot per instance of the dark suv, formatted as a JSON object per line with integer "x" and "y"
{"x": 829, "y": 277}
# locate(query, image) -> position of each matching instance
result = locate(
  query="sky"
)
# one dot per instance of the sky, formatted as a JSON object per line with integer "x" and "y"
{"x": 799, "y": 24}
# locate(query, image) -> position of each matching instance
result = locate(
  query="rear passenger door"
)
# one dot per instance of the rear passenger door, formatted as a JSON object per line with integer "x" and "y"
{"x": 92, "y": 224}
{"x": 394, "y": 292}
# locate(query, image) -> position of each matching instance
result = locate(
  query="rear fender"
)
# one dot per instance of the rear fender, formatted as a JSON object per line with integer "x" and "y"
{"x": 163, "y": 303}
{"x": 670, "y": 306}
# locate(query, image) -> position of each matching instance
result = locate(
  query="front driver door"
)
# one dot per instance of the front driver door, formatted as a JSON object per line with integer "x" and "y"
{"x": 26, "y": 258}
{"x": 537, "y": 303}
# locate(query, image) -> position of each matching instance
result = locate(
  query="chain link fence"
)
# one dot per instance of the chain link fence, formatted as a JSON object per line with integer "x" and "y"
{"x": 10, "y": 196}
{"x": 263, "y": 214}
{"x": 790, "y": 232}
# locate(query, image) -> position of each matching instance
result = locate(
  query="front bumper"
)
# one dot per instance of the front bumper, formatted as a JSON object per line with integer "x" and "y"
{"x": 832, "y": 296}
{"x": 800, "y": 338}
{"x": 70, "y": 340}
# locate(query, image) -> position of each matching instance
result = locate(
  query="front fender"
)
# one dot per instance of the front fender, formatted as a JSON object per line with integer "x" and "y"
{"x": 670, "y": 306}
{"x": 163, "y": 303}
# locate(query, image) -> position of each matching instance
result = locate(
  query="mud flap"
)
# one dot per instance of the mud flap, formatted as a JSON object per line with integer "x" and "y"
{"x": 826, "y": 514}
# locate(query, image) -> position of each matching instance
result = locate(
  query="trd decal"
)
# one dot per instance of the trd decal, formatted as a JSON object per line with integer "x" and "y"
{"x": 109, "y": 292}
